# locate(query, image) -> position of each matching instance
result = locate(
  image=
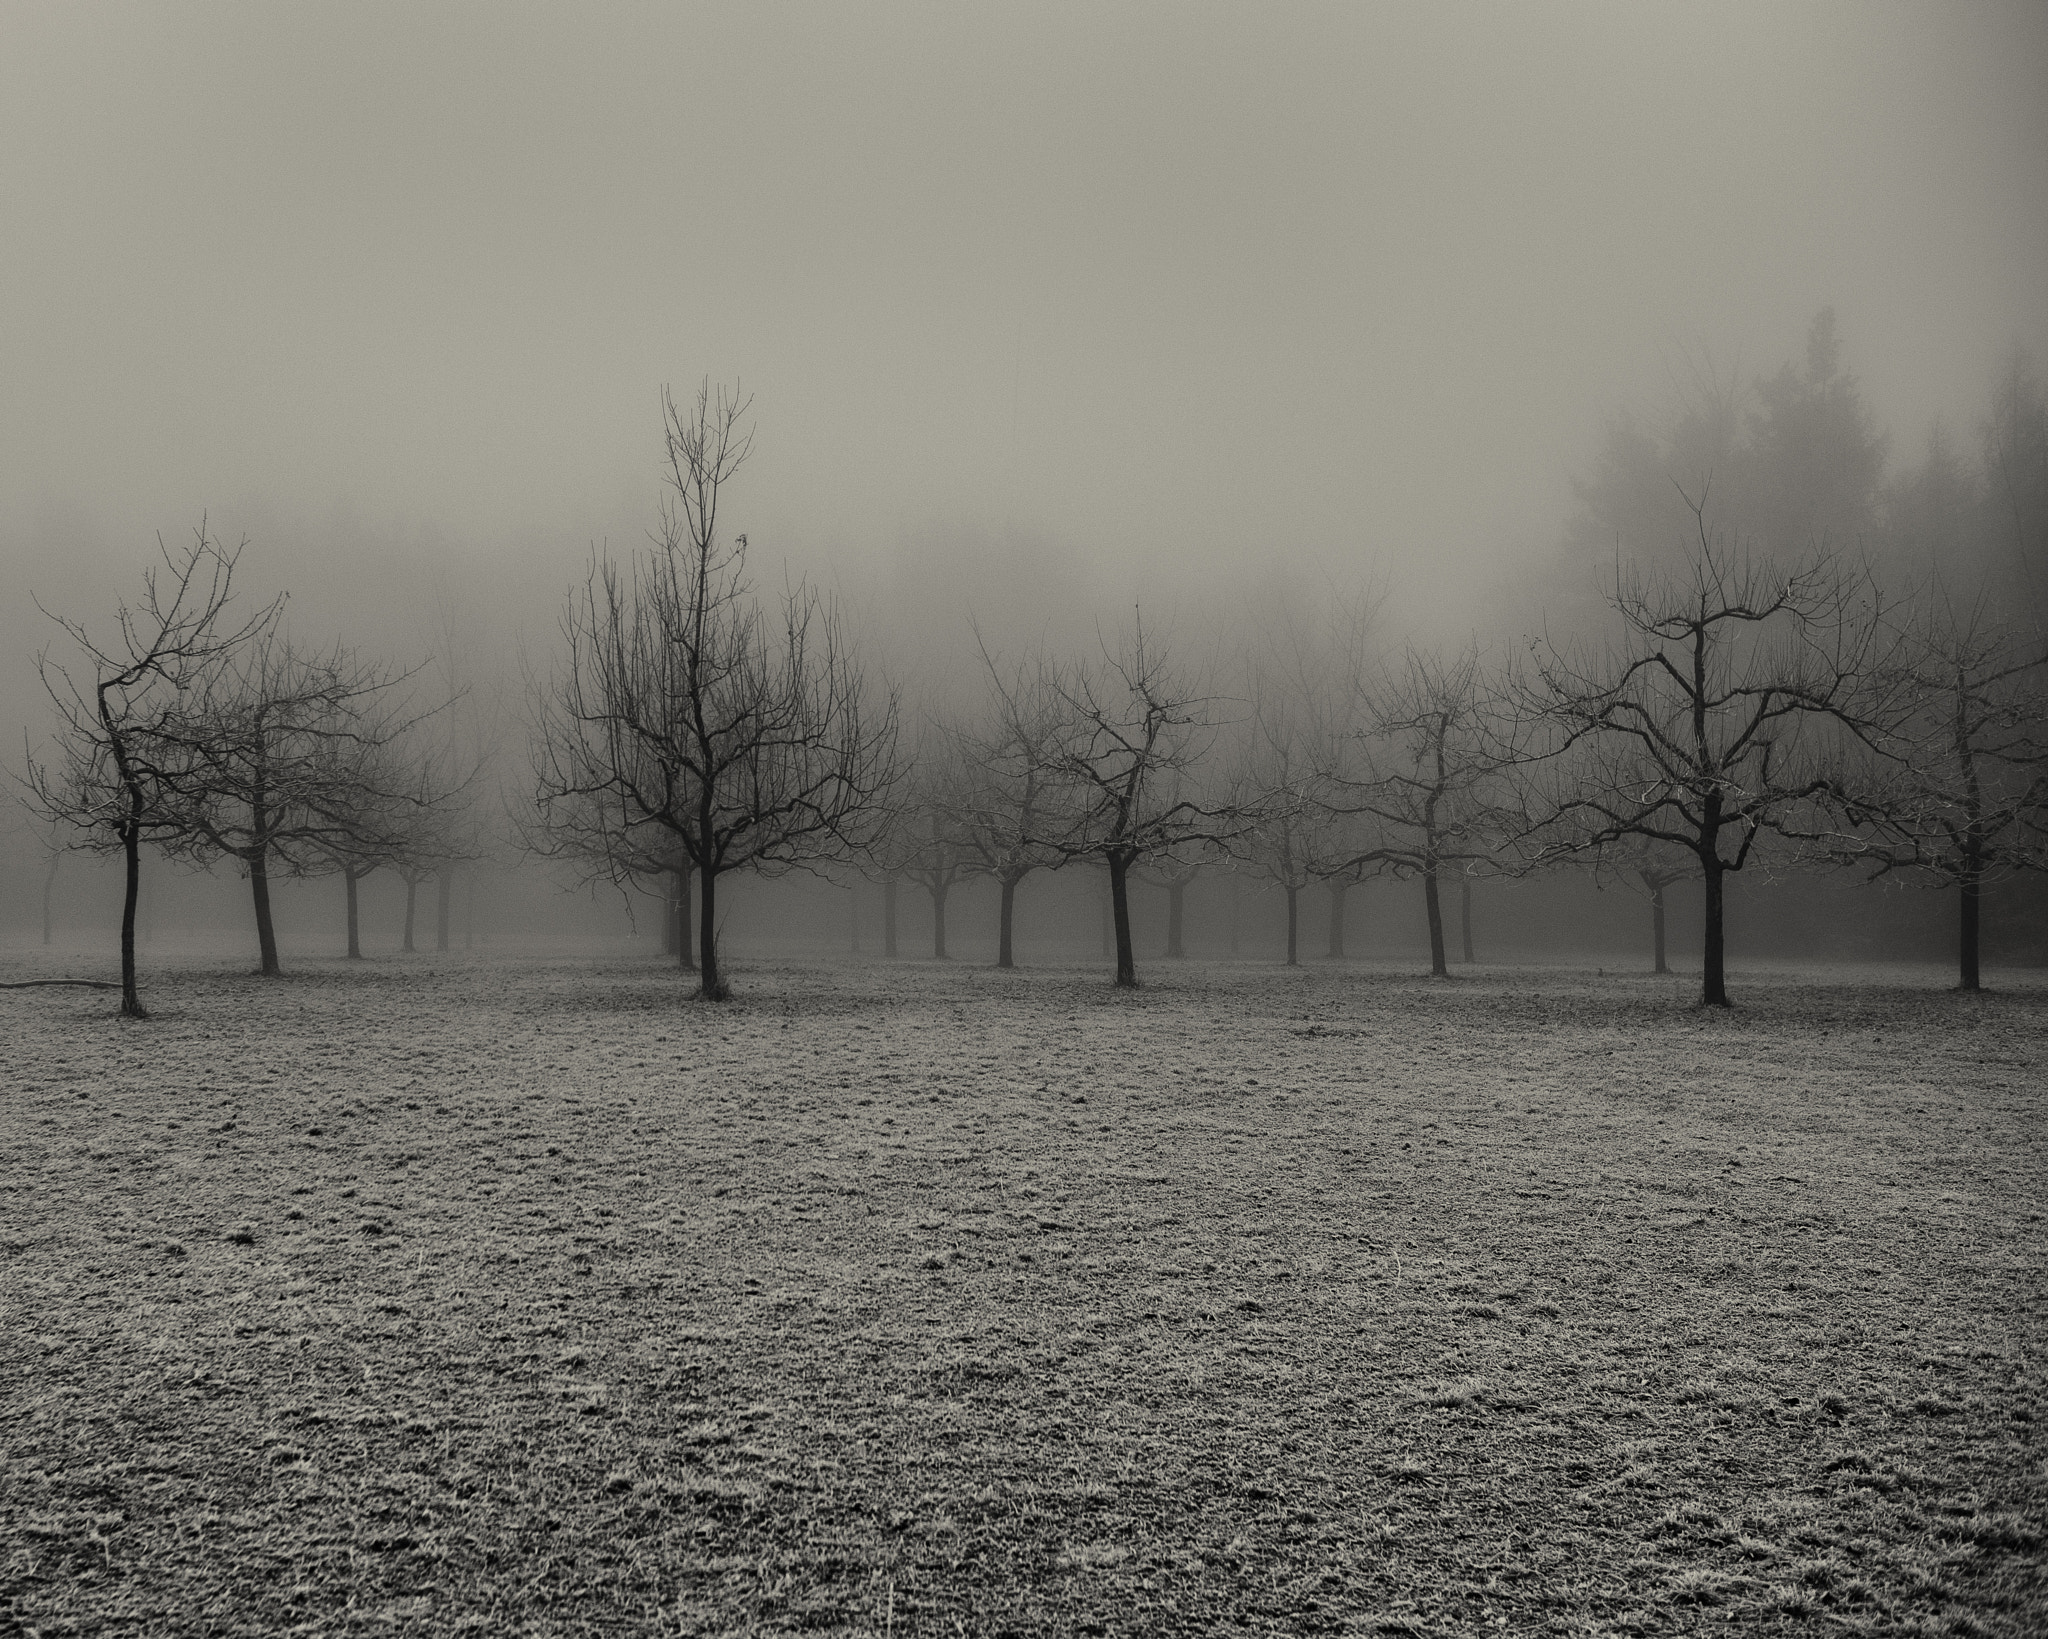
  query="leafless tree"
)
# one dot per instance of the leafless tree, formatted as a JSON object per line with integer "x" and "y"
{"x": 1957, "y": 790}
{"x": 1712, "y": 719}
{"x": 1009, "y": 785}
{"x": 119, "y": 761}
{"x": 684, "y": 707}
{"x": 1125, "y": 771}
{"x": 1424, "y": 768}
{"x": 289, "y": 764}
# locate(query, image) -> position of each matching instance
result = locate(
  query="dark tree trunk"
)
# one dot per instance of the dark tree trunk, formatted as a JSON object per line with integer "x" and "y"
{"x": 1437, "y": 965}
{"x": 1293, "y": 925}
{"x": 1176, "y": 900}
{"x": 444, "y": 904}
{"x": 1465, "y": 914}
{"x": 412, "y": 896}
{"x": 1339, "y": 892}
{"x": 266, "y": 934}
{"x": 1714, "y": 978}
{"x": 938, "y": 892}
{"x": 351, "y": 876}
{"x": 1657, "y": 925}
{"x": 889, "y": 915}
{"x": 1120, "y": 912}
{"x": 131, "y": 849}
{"x": 707, "y": 938}
{"x": 1006, "y": 924}
{"x": 1972, "y": 887}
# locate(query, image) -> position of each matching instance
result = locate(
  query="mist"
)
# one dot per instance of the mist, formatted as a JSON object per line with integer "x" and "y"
{"x": 1044, "y": 316}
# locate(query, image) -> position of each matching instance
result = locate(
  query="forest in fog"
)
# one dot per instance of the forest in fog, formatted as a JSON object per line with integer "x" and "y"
{"x": 1775, "y": 689}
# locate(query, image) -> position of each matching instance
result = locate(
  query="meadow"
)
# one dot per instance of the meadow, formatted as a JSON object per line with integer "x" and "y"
{"x": 511, "y": 1295}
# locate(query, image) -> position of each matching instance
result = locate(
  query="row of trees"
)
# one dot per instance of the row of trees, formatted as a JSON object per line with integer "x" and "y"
{"x": 216, "y": 739}
{"x": 1749, "y": 703}
{"x": 1745, "y": 707}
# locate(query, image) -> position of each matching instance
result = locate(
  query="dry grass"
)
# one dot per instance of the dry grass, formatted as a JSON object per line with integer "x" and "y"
{"x": 433, "y": 1297}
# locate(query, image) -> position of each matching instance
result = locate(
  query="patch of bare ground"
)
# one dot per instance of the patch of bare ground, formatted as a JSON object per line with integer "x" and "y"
{"x": 433, "y": 1297}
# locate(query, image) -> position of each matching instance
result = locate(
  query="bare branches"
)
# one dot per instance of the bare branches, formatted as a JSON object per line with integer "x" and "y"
{"x": 685, "y": 718}
{"x": 1716, "y": 718}
{"x": 120, "y": 756}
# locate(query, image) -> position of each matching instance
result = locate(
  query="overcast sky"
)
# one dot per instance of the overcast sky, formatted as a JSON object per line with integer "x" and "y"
{"x": 1160, "y": 284}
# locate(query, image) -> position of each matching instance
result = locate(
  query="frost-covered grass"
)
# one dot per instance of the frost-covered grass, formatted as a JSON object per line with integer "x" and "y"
{"x": 431, "y": 1296}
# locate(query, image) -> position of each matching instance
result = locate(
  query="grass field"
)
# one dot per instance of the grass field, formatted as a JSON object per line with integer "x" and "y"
{"x": 440, "y": 1296}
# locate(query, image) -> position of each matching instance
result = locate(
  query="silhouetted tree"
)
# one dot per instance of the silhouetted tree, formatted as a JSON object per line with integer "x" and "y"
{"x": 1424, "y": 768}
{"x": 120, "y": 757}
{"x": 1007, "y": 757}
{"x": 1958, "y": 790}
{"x": 1704, "y": 725}
{"x": 680, "y": 704}
{"x": 1131, "y": 740}
{"x": 289, "y": 763}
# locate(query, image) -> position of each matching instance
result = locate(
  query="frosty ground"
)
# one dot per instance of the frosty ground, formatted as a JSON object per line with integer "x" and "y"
{"x": 512, "y": 1295}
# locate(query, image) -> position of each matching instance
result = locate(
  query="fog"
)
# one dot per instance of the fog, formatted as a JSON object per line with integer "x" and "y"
{"x": 1044, "y": 312}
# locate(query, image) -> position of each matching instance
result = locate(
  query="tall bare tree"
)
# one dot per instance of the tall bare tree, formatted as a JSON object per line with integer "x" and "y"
{"x": 1713, "y": 717}
{"x": 120, "y": 758}
{"x": 754, "y": 740}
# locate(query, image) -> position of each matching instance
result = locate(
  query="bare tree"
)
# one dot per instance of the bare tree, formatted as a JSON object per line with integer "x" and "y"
{"x": 120, "y": 760}
{"x": 1711, "y": 720}
{"x": 1424, "y": 768}
{"x": 1132, "y": 738}
{"x": 1958, "y": 788}
{"x": 288, "y": 764}
{"x": 683, "y": 708}
{"x": 1008, "y": 759}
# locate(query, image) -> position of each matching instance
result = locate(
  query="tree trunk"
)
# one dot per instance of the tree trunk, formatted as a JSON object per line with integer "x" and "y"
{"x": 889, "y": 915}
{"x": 1339, "y": 892}
{"x": 938, "y": 893}
{"x": 1657, "y": 925}
{"x": 49, "y": 889}
{"x": 1714, "y": 979}
{"x": 1176, "y": 899}
{"x": 1006, "y": 922}
{"x": 1438, "y": 967}
{"x": 352, "y": 876}
{"x": 1293, "y": 925}
{"x": 266, "y": 934}
{"x": 131, "y": 848}
{"x": 1465, "y": 914}
{"x": 1972, "y": 887}
{"x": 412, "y": 894}
{"x": 1120, "y": 911}
{"x": 444, "y": 903}
{"x": 707, "y": 939}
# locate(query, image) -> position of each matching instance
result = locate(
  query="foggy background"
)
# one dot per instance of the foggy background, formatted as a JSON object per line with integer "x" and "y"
{"x": 1044, "y": 312}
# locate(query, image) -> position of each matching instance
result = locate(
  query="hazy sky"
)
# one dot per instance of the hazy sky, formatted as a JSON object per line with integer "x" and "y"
{"x": 1161, "y": 284}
